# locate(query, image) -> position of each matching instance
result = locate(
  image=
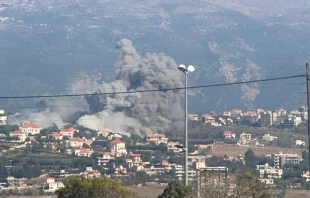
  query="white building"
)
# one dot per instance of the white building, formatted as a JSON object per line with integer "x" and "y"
{"x": 157, "y": 138}
{"x": 3, "y": 118}
{"x": 174, "y": 147}
{"x": 229, "y": 135}
{"x": 69, "y": 132}
{"x": 19, "y": 134}
{"x": 193, "y": 117}
{"x": 300, "y": 143}
{"x": 52, "y": 185}
{"x": 118, "y": 146}
{"x": 265, "y": 171}
{"x": 30, "y": 128}
{"x": 90, "y": 173}
{"x": 267, "y": 137}
{"x": 245, "y": 138}
{"x": 306, "y": 175}
{"x": 280, "y": 159}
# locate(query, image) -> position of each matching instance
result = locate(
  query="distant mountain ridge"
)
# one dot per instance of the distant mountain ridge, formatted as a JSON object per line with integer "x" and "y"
{"x": 44, "y": 44}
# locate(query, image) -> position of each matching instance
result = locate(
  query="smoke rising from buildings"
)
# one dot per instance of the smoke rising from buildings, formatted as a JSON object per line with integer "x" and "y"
{"x": 139, "y": 113}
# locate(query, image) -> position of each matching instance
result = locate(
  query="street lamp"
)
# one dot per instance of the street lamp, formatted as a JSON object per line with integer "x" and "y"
{"x": 185, "y": 70}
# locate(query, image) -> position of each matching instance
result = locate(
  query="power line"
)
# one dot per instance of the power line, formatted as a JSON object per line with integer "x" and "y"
{"x": 155, "y": 90}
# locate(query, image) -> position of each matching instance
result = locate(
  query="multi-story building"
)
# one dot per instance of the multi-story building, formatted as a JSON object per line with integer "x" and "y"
{"x": 280, "y": 159}
{"x": 118, "y": 147}
{"x": 245, "y": 138}
{"x": 265, "y": 171}
{"x": 30, "y": 128}
{"x": 19, "y": 134}
{"x": 3, "y": 118}
{"x": 175, "y": 147}
{"x": 193, "y": 117}
{"x": 265, "y": 119}
{"x": 90, "y": 173}
{"x": 157, "y": 138}
{"x": 69, "y": 132}
{"x": 229, "y": 135}
{"x": 53, "y": 185}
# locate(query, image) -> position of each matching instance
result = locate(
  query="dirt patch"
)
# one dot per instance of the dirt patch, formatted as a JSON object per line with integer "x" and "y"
{"x": 150, "y": 190}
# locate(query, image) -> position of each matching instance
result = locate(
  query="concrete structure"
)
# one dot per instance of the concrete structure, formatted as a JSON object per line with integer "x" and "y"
{"x": 30, "y": 128}
{"x": 280, "y": 159}
{"x": 265, "y": 171}
{"x": 174, "y": 147}
{"x": 229, "y": 135}
{"x": 157, "y": 138}
{"x": 265, "y": 119}
{"x": 306, "y": 175}
{"x": 193, "y": 117}
{"x": 90, "y": 173}
{"x": 3, "y": 118}
{"x": 268, "y": 138}
{"x": 53, "y": 185}
{"x": 245, "y": 138}
{"x": 118, "y": 147}
{"x": 300, "y": 143}
{"x": 69, "y": 132}
{"x": 19, "y": 134}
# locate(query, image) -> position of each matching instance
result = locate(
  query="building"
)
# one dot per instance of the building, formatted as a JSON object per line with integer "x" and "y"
{"x": 103, "y": 132}
{"x": 69, "y": 132}
{"x": 291, "y": 121}
{"x": 229, "y": 135}
{"x": 245, "y": 138}
{"x": 30, "y": 128}
{"x": 267, "y": 181}
{"x": 105, "y": 159}
{"x": 265, "y": 119}
{"x": 82, "y": 152}
{"x": 55, "y": 135}
{"x": 268, "y": 138}
{"x": 19, "y": 134}
{"x": 199, "y": 164}
{"x": 90, "y": 173}
{"x": 193, "y": 117}
{"x": 53, "y": 185}
{"x": 16, "y": 182}
{"x": 280, "y": 159}
{"x": 175, "y": 147}
{"x": 265, "y": 171}
{"x": 3, "y": 118}
{"x": 300, "y": 143}
{"x": 118, "y": 147}
{"x": 306, "y": 175}
{"x": 78, "y": 142}
{"x": 157, "y": 138}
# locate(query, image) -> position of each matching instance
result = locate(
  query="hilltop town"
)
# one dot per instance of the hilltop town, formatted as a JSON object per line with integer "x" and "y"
{"x": 271, "y": 144}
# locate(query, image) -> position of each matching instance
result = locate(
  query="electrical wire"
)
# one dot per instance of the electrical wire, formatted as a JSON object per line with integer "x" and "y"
{"x": 155, "y": 90}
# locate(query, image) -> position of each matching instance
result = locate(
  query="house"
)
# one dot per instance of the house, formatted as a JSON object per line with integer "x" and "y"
{"x": 235, "y": 112}
{"x": 280, "y": 159}
{"x": 135, "y": 157}
{"x": 16, "y": 182}
{"x": 199, "y": 163}
{"x": 267, "y": 181}
{"x": 157, "y": 138}
{"x": 118, "y": 147}
{"x": 55, "y": 135}
{"x": 114, "y": 136}
{"x": 175, "y": 147}
{"x": 90, "y": 173}
{"x": 245, "y": 138}
{"x": 78, "y": 142}
{"x": 268, "y": 138}
{"x": 53, "y": 185}
{"x": 30, "y": 128}
{"x": 19, "y": 134}
{"x": 266, "y": 171}
{"x": 103, "y": 132}
{"x": 82, "y": 152}
{"x": 300, "y": 143}
{"x": 69, "y": 132}
{"x": 306, "y": 175}
{"x": 105, "y": 159}
{"x": 229, "y": 135}
{"x": 193, "y": 117}
{"x": 3, "y": 118}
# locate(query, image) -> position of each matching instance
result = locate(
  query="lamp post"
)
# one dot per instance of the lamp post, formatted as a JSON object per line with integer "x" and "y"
{"x": 185, "y": 70}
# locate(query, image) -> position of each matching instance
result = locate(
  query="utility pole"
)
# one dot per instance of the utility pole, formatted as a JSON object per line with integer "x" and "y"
{"x": 308, "y": 105}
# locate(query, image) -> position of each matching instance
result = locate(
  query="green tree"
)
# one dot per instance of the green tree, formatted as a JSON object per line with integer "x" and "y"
{"x": 177, "y": 190}
{"x": 250, "y": 159}
{"x": 93, "y": 188}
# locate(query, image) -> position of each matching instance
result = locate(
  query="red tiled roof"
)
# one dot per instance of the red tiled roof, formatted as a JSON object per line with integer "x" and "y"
{"x": 54, "y": 134}
{"x": 31, "y": 125}
{"x": 206, "y": 115}
{"x": 228, "y": 133}
{"x": 116, "y": 141}
{"x": 77, "y": 139}
{"x": 71, "y": 129}
{"x": 248, "y": 113}
{"x": 156, "y": 135}
{"x": 17, "y": 132}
